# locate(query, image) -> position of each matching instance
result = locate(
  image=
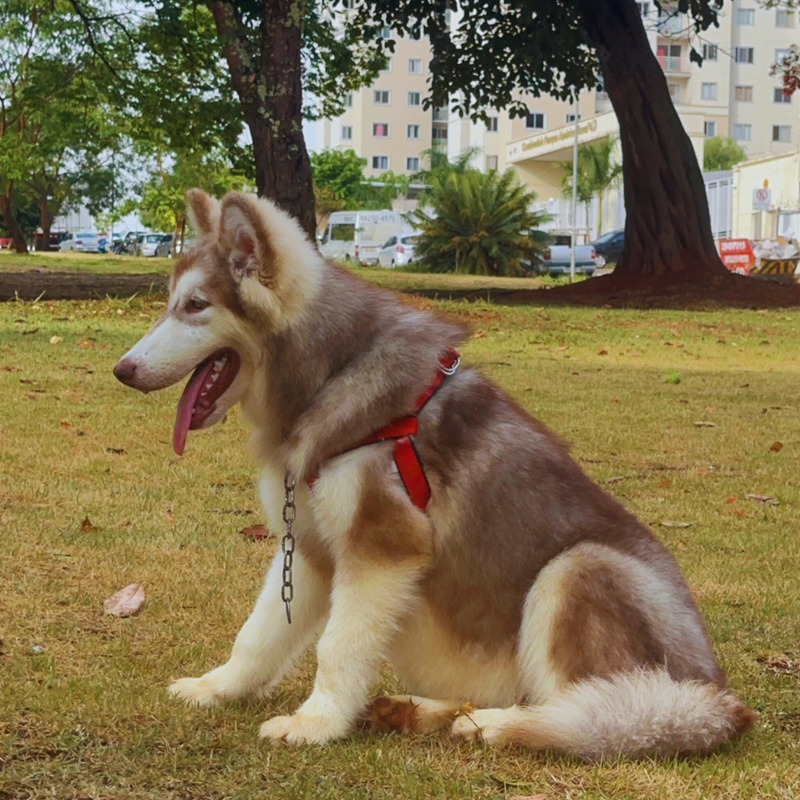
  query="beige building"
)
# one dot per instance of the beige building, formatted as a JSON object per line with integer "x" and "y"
{"x": 386, "y": 123}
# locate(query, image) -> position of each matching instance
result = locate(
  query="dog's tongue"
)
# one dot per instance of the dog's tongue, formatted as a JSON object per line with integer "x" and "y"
{"x": 183, "y": 419}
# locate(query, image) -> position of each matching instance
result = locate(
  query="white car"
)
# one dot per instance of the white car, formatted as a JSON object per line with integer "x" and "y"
{"x": 147, "y": 243}
{"x": 80, "y": 243}
{"x": 398, "y": 251}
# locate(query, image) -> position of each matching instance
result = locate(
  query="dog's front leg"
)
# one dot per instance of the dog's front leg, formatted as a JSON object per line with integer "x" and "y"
{"x": 367, "y": 601}
{"x": 266, "y": 645}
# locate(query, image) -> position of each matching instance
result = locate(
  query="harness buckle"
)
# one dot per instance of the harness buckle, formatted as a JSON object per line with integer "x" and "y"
{"x": 451, "y": 370}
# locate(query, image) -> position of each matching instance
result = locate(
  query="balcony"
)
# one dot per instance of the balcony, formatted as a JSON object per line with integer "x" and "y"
{"x": 674, "y": 65}
{"x": 602, "y": 102}
{"x": 673, "y": 25}
{"x": 441, "y": 114}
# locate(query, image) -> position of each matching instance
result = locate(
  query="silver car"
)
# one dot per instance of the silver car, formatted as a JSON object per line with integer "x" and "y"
{"x": 80, "y": 243}
{"x": 397, "y": 251}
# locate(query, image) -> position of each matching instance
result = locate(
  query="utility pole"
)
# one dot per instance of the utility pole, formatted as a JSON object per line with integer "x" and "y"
{"x": 574, "y": 192}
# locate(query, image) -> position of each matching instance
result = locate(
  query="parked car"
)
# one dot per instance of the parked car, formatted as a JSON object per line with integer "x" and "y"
{"x": 164, "y": 249}
{"x": 557, "y": 258}
{"x": 397, "y": 251}
{"x": 5, "y": 242}
{"x": 358, "y": 235}
{"x": 147, "y": 243}
{"x": 609, "y": 247}
{"x": 126, "y": 245}
{"x": 80, "y": 243}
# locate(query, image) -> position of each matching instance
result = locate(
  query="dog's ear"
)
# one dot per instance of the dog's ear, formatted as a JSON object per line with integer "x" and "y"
{"x": 203, "y": 212}
{"x": 246, "y": 234}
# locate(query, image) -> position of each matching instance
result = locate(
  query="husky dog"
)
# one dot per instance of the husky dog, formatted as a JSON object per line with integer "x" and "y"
{"x": 520, "y": 605}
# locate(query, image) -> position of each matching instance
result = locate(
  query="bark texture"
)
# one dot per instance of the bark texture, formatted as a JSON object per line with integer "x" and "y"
{"x": 10, "y": 221}
{"x": 265, "y": 68}
{"x": 668, "y": 227}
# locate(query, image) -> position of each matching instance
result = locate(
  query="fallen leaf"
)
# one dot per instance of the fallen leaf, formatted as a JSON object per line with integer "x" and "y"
{"x": 776, "y": 447}
{"x": 731, "y": 499}
{"x": 762, "y": 498}
{"x": 87, "y": 527}
{"x": 602, "y": 352}
{"x": 26, "y": 380}
{"x": 668, "y": 523}
{"x": 561, "y": 348}
{"x": 740, "y": 512}
{"x": 663, "y": 484}
{"x": 64, "y": 424}
{"x": 780, "y": 665}
{"x": 56, "y": 339}
{"x": 255, "y": 533}
{"x": 117, "y": 451}
{"x": 126, "y": 602}
{"x": 168, "y": 514}
{"x": 705, "y": 424}
{"x": 30, "y": 331}
{"x": 479, "y": 335}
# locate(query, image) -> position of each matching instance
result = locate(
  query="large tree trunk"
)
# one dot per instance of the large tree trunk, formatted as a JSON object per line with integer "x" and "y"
{"x": 45, "y": 223}
{"x": 265, "y": 68}
{"x": 668, "y": 227}
{"x": 10, "y": 221}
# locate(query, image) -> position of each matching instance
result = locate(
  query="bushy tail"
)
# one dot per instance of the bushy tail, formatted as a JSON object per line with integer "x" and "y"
{"x": 643, "y": 713}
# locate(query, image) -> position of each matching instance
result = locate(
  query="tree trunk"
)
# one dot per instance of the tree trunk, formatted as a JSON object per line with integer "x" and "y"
{"x": 668, "y": 227}
{"x": 10, "y": 221}
{"x": 45, "y": 223}
{"x": 600, "y": 213}
{"x": 265, "y": 68}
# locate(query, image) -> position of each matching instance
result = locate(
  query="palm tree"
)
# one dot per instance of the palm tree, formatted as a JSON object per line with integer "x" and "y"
{"x": 479, "y": 223}
{"x": 598, "y": 171}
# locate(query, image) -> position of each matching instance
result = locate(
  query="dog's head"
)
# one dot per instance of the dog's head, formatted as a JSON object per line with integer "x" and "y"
{"x": 248, "y": 277}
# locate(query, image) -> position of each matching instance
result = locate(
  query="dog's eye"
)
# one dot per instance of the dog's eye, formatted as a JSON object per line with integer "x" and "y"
{"x": 196, "y": 304}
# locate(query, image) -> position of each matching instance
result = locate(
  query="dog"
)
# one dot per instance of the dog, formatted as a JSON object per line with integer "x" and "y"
{"x": 517, "y": 602}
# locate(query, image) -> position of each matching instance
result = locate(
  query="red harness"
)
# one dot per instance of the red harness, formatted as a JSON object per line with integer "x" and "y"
{"x": 401, "y": 431}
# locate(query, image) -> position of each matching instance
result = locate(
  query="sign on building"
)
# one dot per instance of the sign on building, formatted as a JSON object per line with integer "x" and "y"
{"x": 737, "y": 254}
{"x": 762, "y": 199}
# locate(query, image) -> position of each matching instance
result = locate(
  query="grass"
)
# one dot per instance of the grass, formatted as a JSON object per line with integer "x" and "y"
{"x": 393, "y": 279}
{"x": 83, "y": 706}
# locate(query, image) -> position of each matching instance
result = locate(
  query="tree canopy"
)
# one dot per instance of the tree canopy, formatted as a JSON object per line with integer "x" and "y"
{"x": 721, "y": 153}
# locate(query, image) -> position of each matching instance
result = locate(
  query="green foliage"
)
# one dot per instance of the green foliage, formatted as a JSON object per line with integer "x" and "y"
{"x": 721, "y": 153}
{"x": 479, "y": 224}
{"x": 338, "y": 179}
{"x": 598, "y": 171}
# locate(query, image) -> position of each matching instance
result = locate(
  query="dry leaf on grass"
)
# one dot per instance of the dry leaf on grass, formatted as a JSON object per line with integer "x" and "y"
{"x": 780, "y": 665}
{"x": 117, "y": 451}
{"x": 255, "y": 533}
{"x": 56, "y": 339}
{"x": 776, "y": 447}
{"x": 762, "y": 498}
{"x": 669, "y": 523}
{"x": 87, "y": 527}
{"x": 602, "y": 352}
{"x": 126, "y": 602}
{"x": 702, "y": 424}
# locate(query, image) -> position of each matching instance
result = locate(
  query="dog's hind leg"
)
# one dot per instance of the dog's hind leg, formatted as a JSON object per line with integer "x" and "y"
{"x": 267, "y": 645}
{"x": 404, "y": 713}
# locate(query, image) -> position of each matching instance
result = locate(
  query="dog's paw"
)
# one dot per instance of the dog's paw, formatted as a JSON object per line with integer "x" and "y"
{"x": 197, "y": 691}
{"x": 303, "y": 729}
{"x": 486, "y": 725}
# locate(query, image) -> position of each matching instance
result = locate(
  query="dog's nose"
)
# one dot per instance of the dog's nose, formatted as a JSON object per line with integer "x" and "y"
{"x": 124, "y": 371}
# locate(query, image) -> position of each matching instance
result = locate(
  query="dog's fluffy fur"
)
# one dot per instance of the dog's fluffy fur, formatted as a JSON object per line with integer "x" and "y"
{"x": 523, "y": 590}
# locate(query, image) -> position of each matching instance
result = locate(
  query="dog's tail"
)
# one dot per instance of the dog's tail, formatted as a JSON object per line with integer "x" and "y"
{"x": 643, "y": 713}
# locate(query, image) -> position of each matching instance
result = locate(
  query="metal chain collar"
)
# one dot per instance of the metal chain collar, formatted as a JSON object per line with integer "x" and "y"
{"x": 288, "y": 542}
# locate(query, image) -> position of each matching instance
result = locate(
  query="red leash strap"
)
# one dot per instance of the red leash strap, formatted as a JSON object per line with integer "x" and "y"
{"x": 401, "y": 430}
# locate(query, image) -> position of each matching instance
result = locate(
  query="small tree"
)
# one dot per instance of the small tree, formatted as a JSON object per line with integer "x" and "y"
{"x": 338, "y": 179}
{"x": 720, "y": 152}
{"x": 480, "y": 224}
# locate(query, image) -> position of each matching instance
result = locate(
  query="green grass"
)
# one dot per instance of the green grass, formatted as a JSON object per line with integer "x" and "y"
{"x": 88, "y": 715}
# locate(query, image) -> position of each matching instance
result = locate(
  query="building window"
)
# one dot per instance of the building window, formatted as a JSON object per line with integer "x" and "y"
{"x": 534, "y": 121}
{"x": 708, "y": 91}
{"x": 414, "y": 99}
{"x": 415, "y": 66}
{"x": 491, "y": 125}
{"x": 347, "y": 131}
{"x": 380, "y": 162}
{"x": 784, "y": 18}
{"x": 491, "y": 163}
{"x": 743, "y": 55}
{"x": 415, "y": 33}
{"x": 386, "y": 32}
{"x": 710, "y": 52}
{"x": 743, "y": 94}
{"x": 782, "y": 133}
{"x": 380, "y": 97}
{"x": 644, "y": 10}
{"x": 780, "y": 96}
{"x": 439, "y": 133}
{"x": 388, "y": 67}
{"x": 709, "y": 129}
{"x": 348, "y": 100}
{"x": 571, "y": 118}
{"x": 412, "y": 164}
{"x": 669, "y": 57}
{"x": 380, "y": 130}
{"x": 412, "y": 131}
{"x": 745, "y": 16}
{"x": 742, "y": 133}
{"x": 782, "y": 53}
{"x": 674, "y": 92}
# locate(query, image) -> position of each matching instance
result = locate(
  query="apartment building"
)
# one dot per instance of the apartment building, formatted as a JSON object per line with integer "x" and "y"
{"x": 385, "y": 123}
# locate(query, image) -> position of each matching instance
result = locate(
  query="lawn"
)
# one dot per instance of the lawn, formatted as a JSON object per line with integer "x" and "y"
{"x": 93, "y": 498}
